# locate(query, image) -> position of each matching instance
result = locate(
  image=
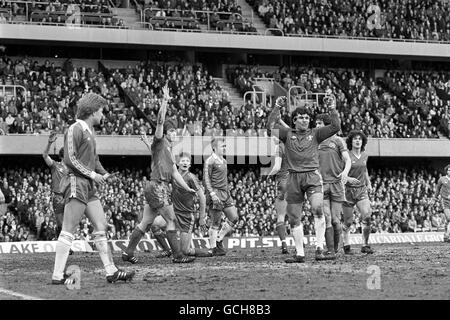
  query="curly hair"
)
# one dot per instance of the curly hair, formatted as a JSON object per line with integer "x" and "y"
{"x": 352, "y": 135}
{"x": 324, "y": 117}
{"x": 446, "y": 168}
{"x": 89, "y": 104}
{"x": 297, "y": 111}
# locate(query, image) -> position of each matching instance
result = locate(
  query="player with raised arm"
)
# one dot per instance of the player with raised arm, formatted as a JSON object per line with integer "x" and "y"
{"x": 157, "y": 191}
{"x": 443, "y": 191}
{"x": 184, "y": 207}
{"x": 357, "y": 191}
{"x": 302, "y": 158}
{"x": 334, "y": 164}
{"x": 218, "y": 197}
{"x": 84, "y": 171}
{"x": 58, "y": 169}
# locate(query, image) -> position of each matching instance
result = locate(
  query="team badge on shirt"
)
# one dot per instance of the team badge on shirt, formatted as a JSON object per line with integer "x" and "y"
{"x": 309, "y": 138}
{"x": 332, "y": 145}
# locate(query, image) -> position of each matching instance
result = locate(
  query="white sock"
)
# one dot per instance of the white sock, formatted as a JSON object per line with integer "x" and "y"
{"x": 213, "y": 236}
{"x": 319, "y": 225}
{"x": 62, "y": 253}
{"x": 448, "y": 229}
{"x": 226, "y": 227}
{"x": 101, "y": 243}
{"x": 345, "y": 233}
{"x": 297, "y": 233}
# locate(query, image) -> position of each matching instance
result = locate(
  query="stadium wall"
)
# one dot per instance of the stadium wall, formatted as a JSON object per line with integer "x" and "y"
{"x": 236, "y": 146}
{"x": 132, "y": 38}
{"x": 149, "y": 245}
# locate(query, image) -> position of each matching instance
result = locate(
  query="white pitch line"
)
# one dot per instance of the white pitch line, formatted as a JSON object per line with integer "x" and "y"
{"x": 20, "y": 295}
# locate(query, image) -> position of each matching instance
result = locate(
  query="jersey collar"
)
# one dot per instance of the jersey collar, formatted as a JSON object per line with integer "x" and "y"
{"x": 216, "y": 157}
{"x": 84, "y": 125}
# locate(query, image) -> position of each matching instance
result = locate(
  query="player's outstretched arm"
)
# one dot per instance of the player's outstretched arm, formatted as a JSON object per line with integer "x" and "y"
{"x": 52, "y": 138}
{"x": 143, "y": 137}
{"x": 162, "y": 113}
{"x": 347, "y": 167}
{"x": 369, "y": 184}
{"x": 178, "y": 178}
{"x": 331, "y": 129}
{"x": 202, "y": 203}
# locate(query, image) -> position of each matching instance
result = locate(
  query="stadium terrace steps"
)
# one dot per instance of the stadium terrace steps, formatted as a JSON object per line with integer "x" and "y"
{"x": 235, "y": 96}
{"x": 249, "y": 15}
{"x": 129, "y": 16}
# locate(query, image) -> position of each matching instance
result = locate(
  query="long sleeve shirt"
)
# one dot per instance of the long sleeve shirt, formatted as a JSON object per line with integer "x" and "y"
{"x": 302, "y": 154}
{"x": 80, "y": 154}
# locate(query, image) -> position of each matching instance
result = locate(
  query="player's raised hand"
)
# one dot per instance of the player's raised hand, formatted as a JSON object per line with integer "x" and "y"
{"x": 52, "y": 138}
{"x": 143, "y": 137}
{"x": 166, "y": 94}
{"x": 280, "y": 101}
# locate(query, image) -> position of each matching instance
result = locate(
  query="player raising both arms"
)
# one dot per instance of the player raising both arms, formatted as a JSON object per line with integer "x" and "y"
{"x": 301, "y": 147}
{"x": 85, "y": 169}
{"x": 184, "y": 207}
{"x": 280, "y": 170}
{"x": 334, "y": 167}
{"x": 218, "y": 197}
{"x": 443, "y": 190}
{"x": 357, "y": 191}
{"x": 157, "y": 191}
{"x": 58, "y": 169}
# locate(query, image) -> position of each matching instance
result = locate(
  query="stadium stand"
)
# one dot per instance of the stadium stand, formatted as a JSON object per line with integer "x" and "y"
{"x": 400, "y": 202}
{"x": 388, "y": 106}
{"x": 418, "y": 20}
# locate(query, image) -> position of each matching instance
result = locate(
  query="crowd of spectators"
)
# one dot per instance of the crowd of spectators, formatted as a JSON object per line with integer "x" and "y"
{"x": 400, "y": 203}
{"x": 399, "y": 19}
{"x": 398, "y": 104}
{"x": 401, "y": 104}
{"x": 51, "y": 91}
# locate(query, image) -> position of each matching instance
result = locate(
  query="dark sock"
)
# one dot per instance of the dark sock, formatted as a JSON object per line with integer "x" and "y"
{"x": 337, "y": 235}
{"x": 135, "y": 237}
{"x": 281, "y": 230}
{"x": 175, "y": 243}
{"x": 329, "y": 238}
{"x": 161, "y": 238}
{"x": 366, "y": 233}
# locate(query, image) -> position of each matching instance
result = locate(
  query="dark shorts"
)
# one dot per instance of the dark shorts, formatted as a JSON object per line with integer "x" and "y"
{"x": 185, "y": 221}
{"x": 224, "y": 196}
{"x": 355, "y": 194}
{"x": 157, "y": 194}
{"x": 58, "y": 203}
{"x": 301, "y": 183}
{"x": 281, "y": 188}
{"x": 334, "y": 191}
{"x": 80, "y": 188}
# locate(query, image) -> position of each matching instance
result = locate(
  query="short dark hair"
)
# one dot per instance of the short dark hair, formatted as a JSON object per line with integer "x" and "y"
{"x": 61, "y": 153}
{"x": 325, "y": 118}
{"x": 352, "y": 135}
{"x": 446, "y": 168}
{"x": 89, "y": 104}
